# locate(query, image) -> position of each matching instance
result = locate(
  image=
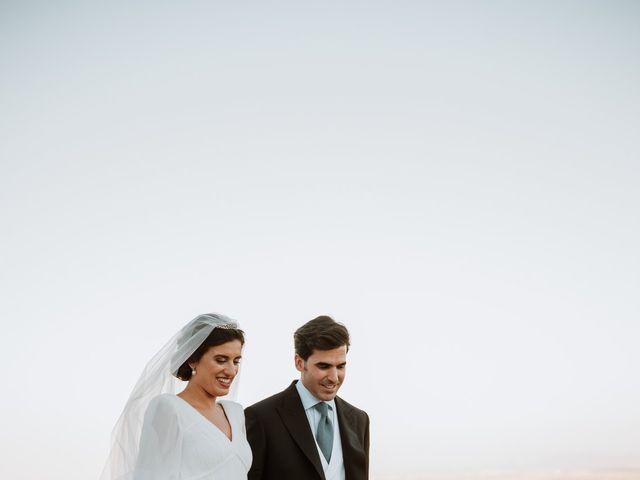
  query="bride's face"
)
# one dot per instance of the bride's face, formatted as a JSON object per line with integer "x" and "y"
{"x": 217, "y": 368}
{"x": 323, "y": 372}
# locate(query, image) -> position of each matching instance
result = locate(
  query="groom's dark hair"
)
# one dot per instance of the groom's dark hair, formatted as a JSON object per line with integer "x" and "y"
{"x": 321, "y": 333}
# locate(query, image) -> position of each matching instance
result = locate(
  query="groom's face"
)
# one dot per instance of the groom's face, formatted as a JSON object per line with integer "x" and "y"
{"x": 323, "y": 372}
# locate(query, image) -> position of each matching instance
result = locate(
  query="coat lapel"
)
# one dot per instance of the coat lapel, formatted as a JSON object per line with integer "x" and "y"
{"x": 348, "y": 435}
{"x": 295, "y": 420}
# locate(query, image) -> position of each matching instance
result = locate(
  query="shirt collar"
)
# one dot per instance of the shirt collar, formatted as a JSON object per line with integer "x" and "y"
{"x": 308, "y": 400}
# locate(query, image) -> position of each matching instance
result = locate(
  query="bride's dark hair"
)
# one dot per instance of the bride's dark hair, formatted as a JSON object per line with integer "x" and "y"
{"x": 217, "y": 337}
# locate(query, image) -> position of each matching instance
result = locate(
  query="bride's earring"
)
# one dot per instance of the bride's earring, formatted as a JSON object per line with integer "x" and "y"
{"x": 193, "y": 372}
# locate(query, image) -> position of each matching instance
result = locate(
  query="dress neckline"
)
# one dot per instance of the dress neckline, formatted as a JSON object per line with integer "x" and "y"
{"x": 200, "y": 415}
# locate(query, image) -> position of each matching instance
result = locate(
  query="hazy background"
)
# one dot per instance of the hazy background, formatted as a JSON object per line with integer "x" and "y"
{"x": 456, "y": 181}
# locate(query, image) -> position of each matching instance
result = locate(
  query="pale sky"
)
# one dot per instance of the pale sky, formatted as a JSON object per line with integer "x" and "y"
{"x": 457, "y": 182}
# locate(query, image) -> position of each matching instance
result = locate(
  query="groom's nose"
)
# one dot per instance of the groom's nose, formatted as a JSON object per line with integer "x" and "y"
{"x": 332, "y": 374}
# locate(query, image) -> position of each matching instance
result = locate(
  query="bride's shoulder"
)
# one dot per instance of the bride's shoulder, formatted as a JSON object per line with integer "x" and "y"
{"x": 164, "y": 403}
{"x": 231, "y": 406}
{"x": 165, "y": 398}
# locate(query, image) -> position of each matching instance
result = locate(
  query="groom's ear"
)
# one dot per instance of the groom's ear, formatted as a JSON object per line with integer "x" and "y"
{"x": 299, "y": 362}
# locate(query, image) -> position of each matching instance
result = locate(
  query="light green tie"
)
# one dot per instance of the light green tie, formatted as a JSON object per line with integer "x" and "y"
{"x": 324, "y": 434}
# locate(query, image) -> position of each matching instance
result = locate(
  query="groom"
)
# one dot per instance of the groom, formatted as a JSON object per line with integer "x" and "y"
{"x": 306, "y": 432}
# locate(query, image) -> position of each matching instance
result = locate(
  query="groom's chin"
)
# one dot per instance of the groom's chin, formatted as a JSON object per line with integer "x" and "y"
{"x": 327, "y": 394}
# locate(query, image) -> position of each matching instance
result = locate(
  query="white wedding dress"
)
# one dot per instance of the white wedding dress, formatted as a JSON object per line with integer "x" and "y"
{"x": 179, "y": 443}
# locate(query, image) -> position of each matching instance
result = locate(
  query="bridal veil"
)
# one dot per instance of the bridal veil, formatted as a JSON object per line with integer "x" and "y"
{"x": 157, "y": 377}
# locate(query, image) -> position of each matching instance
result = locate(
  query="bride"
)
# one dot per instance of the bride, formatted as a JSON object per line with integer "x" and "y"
{"x": 162, "y": 435}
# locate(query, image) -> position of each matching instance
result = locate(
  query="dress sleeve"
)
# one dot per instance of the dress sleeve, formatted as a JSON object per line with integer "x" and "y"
{"x": 160, "y": 451}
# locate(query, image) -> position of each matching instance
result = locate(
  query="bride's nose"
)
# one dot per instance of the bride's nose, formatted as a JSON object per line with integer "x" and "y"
{"x": 230, "y": 369}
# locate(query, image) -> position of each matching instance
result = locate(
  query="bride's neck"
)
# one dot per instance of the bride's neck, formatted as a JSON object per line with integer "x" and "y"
{"x": 198, "y": 397}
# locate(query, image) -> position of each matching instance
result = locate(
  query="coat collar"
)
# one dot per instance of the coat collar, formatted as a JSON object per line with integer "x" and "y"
{"x": 350, "y": 441}
{"x": 295, "y": 420}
